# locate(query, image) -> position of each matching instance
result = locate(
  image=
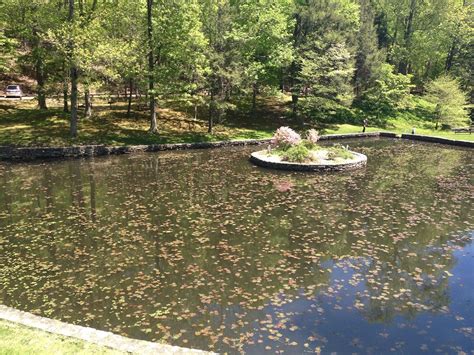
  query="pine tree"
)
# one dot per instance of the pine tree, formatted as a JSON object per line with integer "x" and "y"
{"x": 369, "y": 56}
{"x": 323, "y": 43}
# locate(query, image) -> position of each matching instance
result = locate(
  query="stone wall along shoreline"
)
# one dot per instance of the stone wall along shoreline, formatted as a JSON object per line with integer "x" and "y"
{"x": 38, "y": 153}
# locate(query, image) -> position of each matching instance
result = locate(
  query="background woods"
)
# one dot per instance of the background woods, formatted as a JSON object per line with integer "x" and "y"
{"x": 335, "y": 61}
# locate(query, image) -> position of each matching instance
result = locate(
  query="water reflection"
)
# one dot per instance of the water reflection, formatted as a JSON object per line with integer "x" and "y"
{"x": 202, "y": 249}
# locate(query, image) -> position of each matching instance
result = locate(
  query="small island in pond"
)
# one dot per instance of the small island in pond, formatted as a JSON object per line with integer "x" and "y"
{"x": 288, "y": 151}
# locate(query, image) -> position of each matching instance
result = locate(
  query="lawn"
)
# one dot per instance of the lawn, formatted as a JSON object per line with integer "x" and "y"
{"x": 22, "y": 124}
{"x": 18, "y": 339}
{"x": 401, "y": 127}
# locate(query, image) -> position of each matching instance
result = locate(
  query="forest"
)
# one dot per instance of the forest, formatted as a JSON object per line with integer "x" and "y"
{"x": 333, "y": 61}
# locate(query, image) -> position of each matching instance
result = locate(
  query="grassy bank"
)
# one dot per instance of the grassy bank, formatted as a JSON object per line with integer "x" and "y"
{"x": 18, "y": 339}
{"x": 22, "y": 124}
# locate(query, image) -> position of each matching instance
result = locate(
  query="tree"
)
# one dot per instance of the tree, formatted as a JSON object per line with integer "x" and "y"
{"x": 323, "y": 62}
{"x": 369, "y": 57}
{"x": 424, "y": 35}
{"x": 7, "y": 51}
{"x": 90, "y": 47}
{"x": 262, "y": 32}
{"x": 32, "y": 20}
{"x": 450, "y": 101}
{"x": 390, "y": 92}
{"x": 151, "y": 66}
{"x": 127, "y": 57}
{"x": 175, "y": 50}
{"x": 73, "y": 70}
{"x": 221, "y": 74}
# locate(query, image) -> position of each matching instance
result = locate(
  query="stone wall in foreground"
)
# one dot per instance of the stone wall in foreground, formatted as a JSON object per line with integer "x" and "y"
{"x": 99, "y": 337}
{"x": 33, "y": 153}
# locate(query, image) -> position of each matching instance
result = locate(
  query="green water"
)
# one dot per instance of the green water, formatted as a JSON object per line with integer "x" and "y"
{"x": 202, "y": 249}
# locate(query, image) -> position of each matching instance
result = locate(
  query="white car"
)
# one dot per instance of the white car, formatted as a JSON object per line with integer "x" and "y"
{"x": 14, "y": 91}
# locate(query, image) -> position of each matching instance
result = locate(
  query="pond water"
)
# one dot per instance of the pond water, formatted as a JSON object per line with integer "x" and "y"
{"x": 202, "y": 249}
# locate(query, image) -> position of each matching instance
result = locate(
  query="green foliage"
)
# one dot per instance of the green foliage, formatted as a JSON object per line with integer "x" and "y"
{"x": 221, "y": 52}
{"x": 339, "y": 152}
{"x": 297, "y": 153}
{"x": 390, "y": 92}
{"x": 323, "y": 65}
{"x": 262, "y": 33}
{"x": 179, "y": 46}
{"x": 7, "y": 51}
{"x": 369, "y": 57}
{"x": 309, "y": 145}
{"x": 450, "y": 101}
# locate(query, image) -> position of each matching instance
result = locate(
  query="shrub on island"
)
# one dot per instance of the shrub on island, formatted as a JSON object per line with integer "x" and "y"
{"x": 289, "y": 146}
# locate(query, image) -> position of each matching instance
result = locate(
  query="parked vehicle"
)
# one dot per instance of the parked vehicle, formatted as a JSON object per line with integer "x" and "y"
{"x": 14, "y": 91}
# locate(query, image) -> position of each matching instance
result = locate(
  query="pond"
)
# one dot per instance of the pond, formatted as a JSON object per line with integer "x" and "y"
{"x": 202, "y": 249}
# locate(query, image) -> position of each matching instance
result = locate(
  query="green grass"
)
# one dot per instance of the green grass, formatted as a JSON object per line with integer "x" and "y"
{"x": 22, "y": 124}
{"x": 21, "y": 340}
{"x": 401, "y": 126}
{"x": 418, "y": 117}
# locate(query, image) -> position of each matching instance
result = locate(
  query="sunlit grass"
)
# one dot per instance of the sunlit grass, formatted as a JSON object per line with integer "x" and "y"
{"x": 17, "y": 339}
{"x": 401, "y": 125}
{"x": 22, "y": 124}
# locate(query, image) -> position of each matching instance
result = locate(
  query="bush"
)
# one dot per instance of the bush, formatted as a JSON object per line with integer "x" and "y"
{"x": 297, "y": 153}
{"x": 285, "y": 137}
{"x": 339, "y": 152}
{"x": 312, "y": 136}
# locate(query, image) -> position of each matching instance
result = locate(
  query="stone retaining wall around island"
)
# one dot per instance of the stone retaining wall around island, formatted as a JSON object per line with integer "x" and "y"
{"x": 261, "y": 160}
{"x": 38, "y": 153}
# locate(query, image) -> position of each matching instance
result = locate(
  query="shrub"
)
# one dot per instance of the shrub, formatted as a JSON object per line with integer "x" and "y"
{"x": 285, "y": 137}
{"x": 297, "y": 153}
{"x": 339, "y": 152}
{"x": 312, "y": 136}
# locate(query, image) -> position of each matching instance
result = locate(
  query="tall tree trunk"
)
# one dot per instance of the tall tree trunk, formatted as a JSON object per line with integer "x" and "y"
{"x": 74, "y": 94}
{"x": 294, "y": 70}
{"x": 130, "y": 87}
{"x": 40, "y": 81}
{"x": 404, "y": 63}
{"x": 74, "y": 77}
{"x": 294, "y": 100}
{"x": 151, "y": 68}
{"x": 65, "y": 96}
{"x": 212, "y": 103}
{"x": 39, "y": 69}
{"x": 254, "y": 96}
{"x": 88, "y": 102}
{"x": 451, "y": 54}
{"x": 65, "y": 88}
